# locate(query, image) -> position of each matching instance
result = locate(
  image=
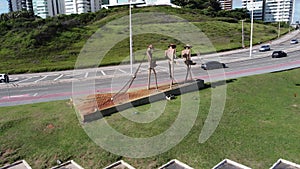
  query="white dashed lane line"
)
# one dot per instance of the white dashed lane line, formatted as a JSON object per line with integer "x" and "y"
{"x": 122, "y": 71}
{"x": 23, "y": 80}
{"x": 103, "y": 73}
{"x": 58, "y": 77}
{"x": 41, "y": 79}
{"x": 86, "y": 75}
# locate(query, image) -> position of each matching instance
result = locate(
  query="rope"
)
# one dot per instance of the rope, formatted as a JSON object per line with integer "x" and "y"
{"x": 130, "y": 81}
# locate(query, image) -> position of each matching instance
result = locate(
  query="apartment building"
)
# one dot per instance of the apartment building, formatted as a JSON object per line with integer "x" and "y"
{"x": 258, "y": 11}
{"x": 271, "y": 10}
{"x": 19, "y": 5}
{"x": 226, "y": 4}
{"x": 48, "y": 8}
{"x": 278, "y": 10}
{"x": 82, "y": 6}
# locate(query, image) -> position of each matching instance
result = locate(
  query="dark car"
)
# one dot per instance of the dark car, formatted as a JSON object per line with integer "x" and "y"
{"x": 213, "y": 65}
{"x": 278, "y": 54}
{"x": 264, "y": 48}
{"x": 294, "y": 41}
{"x": 4, "y": 78}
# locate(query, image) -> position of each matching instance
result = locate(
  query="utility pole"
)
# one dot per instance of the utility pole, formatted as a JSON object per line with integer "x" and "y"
{"x": 130, "y": 40}
{"x": 251, "y": 36}
{"x": 278, "y": 11}
{"x": 243, "y": 34}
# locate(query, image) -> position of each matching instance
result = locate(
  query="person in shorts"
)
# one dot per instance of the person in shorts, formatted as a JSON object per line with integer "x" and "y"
{"x": 151, "y": 65}
{"x": 187, "y": 56}
{"x": 170, "y": 54}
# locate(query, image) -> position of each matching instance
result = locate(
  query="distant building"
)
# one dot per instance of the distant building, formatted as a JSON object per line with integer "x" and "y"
{"x": 48, "y": 8}
{"x": 271, "y": 10}
{"x": 278, "y": 11}
{"x": 258, "y": 12}
{"x": 226, "y": 4}
{"x": 82, "y": 6}
{"x": 20, "y": 5}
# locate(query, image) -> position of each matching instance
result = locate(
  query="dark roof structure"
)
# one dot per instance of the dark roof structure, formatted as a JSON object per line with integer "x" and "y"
{"x": 68, "y": 165}
{"x": 284, "y": 164}
{"x": 22, "y": 164}
{"x": 175, "y": 164}
{"x": 119, "y": 165}
{"x": 229, "y": 164}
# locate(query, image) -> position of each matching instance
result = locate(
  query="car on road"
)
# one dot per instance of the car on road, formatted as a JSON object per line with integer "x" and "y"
{"x": 4, "y": 78}
{"x": 294, "y": 41}
{"x": 213, "y": 65}
{"x": 278, "y": 54}
{"x": 264, "y": 48}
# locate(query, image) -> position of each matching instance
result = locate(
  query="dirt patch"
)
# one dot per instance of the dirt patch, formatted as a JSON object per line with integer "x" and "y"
{"x": 102, "y": 101}
{"x": 50, "y": 126}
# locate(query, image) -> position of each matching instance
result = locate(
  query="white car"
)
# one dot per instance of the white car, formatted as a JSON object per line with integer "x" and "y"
{"x": 264, "y": 48}
{"x": 4, "y": 78}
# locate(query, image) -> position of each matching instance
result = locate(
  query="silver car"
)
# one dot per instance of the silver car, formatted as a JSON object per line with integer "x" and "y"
{"x": 264, "y": 48}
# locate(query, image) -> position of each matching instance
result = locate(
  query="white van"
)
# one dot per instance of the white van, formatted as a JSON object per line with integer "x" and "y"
{"x": 4, "y": 78}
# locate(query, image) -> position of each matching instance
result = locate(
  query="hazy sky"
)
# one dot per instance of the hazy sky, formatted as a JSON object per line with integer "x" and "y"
{"x": 236, "y": 4}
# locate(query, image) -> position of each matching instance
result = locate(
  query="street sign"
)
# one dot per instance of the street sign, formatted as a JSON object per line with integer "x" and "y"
{"x": 254, "y": 5}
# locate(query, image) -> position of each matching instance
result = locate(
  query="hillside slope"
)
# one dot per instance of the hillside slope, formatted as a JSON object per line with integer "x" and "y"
{"x": 35, "y": 45}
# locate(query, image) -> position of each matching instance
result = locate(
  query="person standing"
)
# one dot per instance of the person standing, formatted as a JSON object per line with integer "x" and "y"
{"x": 187, "y": 56}
{"x": 152, "y": 65}
{"x": 170, "y": 54}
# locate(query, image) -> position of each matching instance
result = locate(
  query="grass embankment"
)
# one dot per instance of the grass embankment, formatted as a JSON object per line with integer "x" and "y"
{"x": 260, "y": 124}
{"x": 35, "y": 45}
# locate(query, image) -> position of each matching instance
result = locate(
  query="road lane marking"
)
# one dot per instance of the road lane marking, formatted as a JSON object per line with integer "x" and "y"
{"x": 23, "y": 80}
{"x": 41, "y": 79}
{"x": 35, "y": 94}
{"x": 122, "y": 71}
{"x": 58, "y": 77}
{"x": 103, "y": 73}
{"x": 15, "y": 96}
{"x": 86, "y": 75}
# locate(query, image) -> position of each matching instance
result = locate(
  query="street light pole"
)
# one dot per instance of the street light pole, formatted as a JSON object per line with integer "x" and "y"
{"x": 243, "y": 43}
{"x": 250, "y": 55}
{"x": 130, "y": 39}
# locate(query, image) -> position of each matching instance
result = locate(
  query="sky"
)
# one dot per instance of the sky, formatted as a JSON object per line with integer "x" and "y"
{"x": 236, "y": 4}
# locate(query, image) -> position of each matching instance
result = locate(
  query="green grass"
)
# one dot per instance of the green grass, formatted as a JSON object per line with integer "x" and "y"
{"x": 260, "y": 124}
{"x": 55, "y": 43}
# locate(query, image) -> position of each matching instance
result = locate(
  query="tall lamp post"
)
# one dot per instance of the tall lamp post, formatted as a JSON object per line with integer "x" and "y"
{"x": 130, "y": 39}
{"x": 243, "y": 34}
{"x": 251, "y": 32}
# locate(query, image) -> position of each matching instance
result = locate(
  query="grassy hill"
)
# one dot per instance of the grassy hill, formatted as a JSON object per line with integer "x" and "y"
{"x": 35, "y": 45}
{"x": 260, "y": 124}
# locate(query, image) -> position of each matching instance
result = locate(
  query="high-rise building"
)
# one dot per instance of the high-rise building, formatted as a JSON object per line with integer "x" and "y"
{"x": 278, "y": 10}
{"x": 48, "y": 8}
{"x": 226, "y": 4}
{"x": 20, "y": 5}
{"x": 258, "y": 10}
{"x": 271, "y": 10}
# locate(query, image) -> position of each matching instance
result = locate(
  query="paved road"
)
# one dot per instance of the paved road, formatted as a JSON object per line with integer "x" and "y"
{"x": 40, "y": 87}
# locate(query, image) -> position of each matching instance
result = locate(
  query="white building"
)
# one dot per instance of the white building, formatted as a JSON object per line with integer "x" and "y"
{"x": 19, "y": 5}
{"x": 226, "y": 4}
{"x": 82, "y": 6}
{"x": 278, "y": 11}
{"x": 48, "y": 8}
{"x": 258, "y": 10}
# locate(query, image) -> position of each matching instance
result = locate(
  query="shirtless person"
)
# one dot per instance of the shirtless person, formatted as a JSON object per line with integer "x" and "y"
{"x": 170, "y": 53}
{"x": 186, "y": 54}
{"x": 152, "y": 65}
